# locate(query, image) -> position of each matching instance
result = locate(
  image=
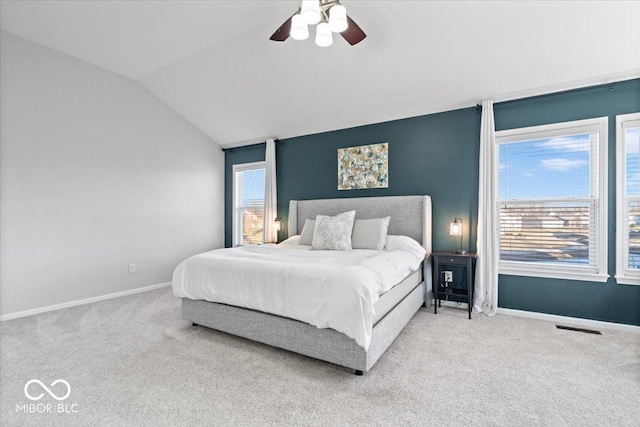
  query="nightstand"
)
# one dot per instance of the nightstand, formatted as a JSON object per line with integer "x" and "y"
{"x": 447, "y": 260}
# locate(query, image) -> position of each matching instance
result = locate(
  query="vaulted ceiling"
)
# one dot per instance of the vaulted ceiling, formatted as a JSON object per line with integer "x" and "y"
{"x": 214, "y": 64}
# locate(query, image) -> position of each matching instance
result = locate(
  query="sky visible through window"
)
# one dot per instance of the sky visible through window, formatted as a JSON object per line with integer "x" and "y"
{"x": 632, "y": 142}
{"x": 253, "y": 187}
{"x": 545, "y": 168}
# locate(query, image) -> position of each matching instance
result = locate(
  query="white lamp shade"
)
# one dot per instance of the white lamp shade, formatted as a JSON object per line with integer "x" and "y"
{"x": 338, "y": 18}
{"x": 310, "y": 11}
{"x": 455, "y": 228}
{"x": 323, "y": 35}
{"x": 299, "y": 29}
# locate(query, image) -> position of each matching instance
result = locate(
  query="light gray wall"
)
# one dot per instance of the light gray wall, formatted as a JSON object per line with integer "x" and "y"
{"x": 95, "y": 173}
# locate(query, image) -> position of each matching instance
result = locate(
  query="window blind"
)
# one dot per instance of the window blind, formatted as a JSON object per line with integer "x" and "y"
{"x": 631, "y": 215}
{"x": 633, "y": 234}
{"x": 248, "y": 222}
{"x": 548, "y": 200}
{"x": 549, "y": 231}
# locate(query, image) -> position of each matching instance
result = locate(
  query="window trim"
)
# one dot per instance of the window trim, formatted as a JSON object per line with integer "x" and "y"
{"x": 519, "y": 268}
{"x": 240, "y": 167}
{"x": 623, "y": 275}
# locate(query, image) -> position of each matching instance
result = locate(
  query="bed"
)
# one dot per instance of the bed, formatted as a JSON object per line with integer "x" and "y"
{"x": 410, "y": 216}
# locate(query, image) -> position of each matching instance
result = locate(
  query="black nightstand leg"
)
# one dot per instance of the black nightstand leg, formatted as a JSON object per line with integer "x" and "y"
{"x": 435, "y": 276}
{"x": 435, "y": 303}
{"x": 469, "y": 285}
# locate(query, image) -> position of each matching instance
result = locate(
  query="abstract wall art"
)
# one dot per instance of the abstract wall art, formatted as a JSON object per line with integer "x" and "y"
{"x": 366, "y": 166}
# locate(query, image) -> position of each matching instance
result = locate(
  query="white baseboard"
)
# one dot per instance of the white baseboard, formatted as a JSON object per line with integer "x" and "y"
{"x": 31, "y": 312}
{"x": 565, "y": 320}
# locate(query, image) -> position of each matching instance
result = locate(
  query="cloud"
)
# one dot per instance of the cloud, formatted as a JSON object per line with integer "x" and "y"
{"x": 562, "y": 165}
{"x": 528, "y": 174}
{"x": 632, "y": 139}
{"x": 502, "y": 166}
{"x": 573, "y": 143}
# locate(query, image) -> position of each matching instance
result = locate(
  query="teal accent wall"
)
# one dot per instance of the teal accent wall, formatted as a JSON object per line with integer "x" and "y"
{"x": 438, "y": 155}
{"x": 591, "y": 300}
{"x": 435, "y": 155}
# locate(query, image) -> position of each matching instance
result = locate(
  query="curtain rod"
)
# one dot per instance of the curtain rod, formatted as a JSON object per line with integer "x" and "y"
{"x": 610, "y": 86}
{"x": 248, "y": 145}
{"x": 244, "y": 146}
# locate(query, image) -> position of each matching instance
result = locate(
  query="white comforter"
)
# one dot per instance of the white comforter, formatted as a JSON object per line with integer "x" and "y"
{"x": 328, "y": 289}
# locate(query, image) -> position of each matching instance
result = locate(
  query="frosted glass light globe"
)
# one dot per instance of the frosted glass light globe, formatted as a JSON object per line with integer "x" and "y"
{"x": 310, "y": 11}
{"x": 323, "y": 35}
{"x": 299, "y": 29}
{"x": 338, "y": 18}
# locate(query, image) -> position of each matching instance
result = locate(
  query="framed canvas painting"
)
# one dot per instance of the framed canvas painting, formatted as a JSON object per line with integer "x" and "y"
{"x": 365, "y": 166}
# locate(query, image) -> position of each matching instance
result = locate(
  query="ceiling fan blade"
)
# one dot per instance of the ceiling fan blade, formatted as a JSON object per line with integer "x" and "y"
{"x": 353, "y": 34}
{"x": 282, "y": 33}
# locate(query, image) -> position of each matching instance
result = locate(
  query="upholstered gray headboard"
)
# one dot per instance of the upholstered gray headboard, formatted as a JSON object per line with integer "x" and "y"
{"x": 410, "y": 215}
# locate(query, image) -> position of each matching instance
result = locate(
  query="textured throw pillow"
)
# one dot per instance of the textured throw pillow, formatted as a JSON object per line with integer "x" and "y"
{"x": 306, "y": 237}
{"x": 333, "y": 232}
{"x": 370, "y": 233}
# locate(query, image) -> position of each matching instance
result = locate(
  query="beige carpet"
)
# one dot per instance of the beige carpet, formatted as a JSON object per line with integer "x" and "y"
{"x": 133, "y": 362}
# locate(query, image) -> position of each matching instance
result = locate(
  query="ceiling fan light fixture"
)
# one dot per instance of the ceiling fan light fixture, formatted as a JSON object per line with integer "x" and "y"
{"x": 338, "y": 18}
{"x": 299, "y": 28}
{"x": 310, "y": 11}
{"x": 330, "y": 16}
{"x": 323, "y": 35}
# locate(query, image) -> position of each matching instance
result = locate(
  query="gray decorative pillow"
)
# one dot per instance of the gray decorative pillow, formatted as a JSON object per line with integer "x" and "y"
{"x": 333, "y": 232}
{"x": 370, "y": 233}
{"x": 306, "y": 237}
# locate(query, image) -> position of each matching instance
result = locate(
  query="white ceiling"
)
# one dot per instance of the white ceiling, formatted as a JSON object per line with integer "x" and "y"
{"x": 213, "y": 63}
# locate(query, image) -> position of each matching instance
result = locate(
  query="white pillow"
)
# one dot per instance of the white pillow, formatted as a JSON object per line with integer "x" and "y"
{"x": 333, "y": 232}
{"x": 306, "y": 237}
{"x": 406, "y": 244}
{"x": 370, "y": 233}
{"x": 293, "y": 240}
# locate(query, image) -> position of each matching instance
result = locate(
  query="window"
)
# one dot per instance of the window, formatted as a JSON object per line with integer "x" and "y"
{"x": 248, "y": 203}
{"x": 551, "y": 208}
{"x": 628, "y": 199}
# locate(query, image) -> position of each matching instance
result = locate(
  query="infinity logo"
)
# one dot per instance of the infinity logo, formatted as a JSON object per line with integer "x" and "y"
{"x": 38, "y": 397}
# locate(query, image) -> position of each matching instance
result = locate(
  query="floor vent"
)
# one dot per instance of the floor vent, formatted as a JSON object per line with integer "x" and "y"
{"x": 586, "y": 331}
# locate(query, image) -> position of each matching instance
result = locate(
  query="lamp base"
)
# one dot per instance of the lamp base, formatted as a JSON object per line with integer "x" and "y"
{"x": 459, "y": 251}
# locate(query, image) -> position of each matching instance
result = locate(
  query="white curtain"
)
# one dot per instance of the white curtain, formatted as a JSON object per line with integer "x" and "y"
{"x": 270, "y": 194}
{"x": 486, "y": 285}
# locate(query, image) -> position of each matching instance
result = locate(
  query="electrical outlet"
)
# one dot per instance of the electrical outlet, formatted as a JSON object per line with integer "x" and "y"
{"x": 448, "y": 276}
{"x": 132, "y": 268}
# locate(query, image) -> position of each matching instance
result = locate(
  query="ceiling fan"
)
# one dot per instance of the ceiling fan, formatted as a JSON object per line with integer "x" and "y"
{"x": 330, "y": 16}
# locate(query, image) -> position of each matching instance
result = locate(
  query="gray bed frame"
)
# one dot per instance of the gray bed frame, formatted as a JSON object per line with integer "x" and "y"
{"x": 410, "y": 216}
